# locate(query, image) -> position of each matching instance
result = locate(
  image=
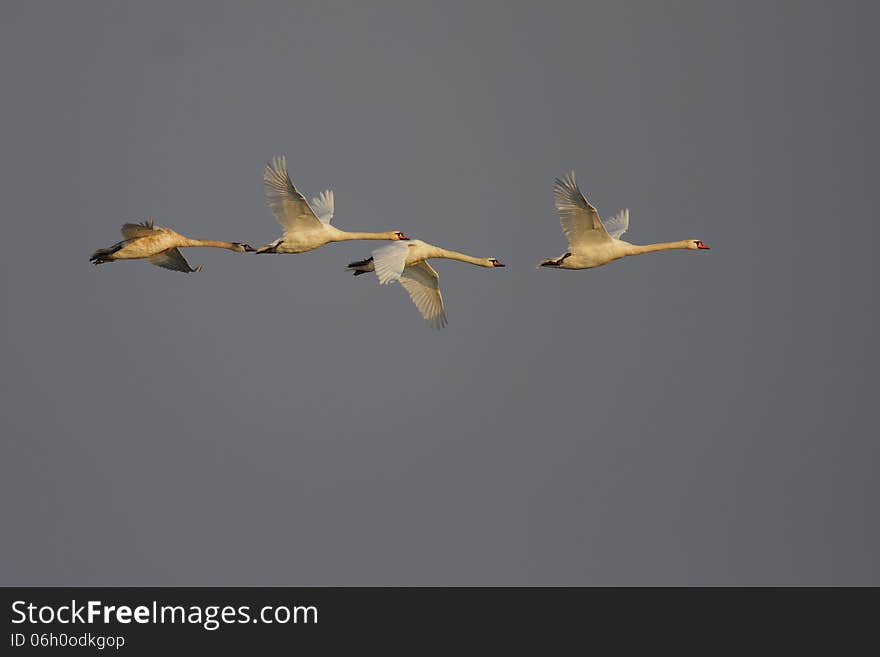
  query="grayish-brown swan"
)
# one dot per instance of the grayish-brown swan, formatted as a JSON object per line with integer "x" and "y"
{"x": 159, "y": 245}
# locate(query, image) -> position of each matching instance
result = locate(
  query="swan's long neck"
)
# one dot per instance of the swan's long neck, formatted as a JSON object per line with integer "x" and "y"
{"x": 455, "y": 255}
{"x": 636, "y": 249}
{"x": 217, "y": 244}
{"x": 344, "y": 235}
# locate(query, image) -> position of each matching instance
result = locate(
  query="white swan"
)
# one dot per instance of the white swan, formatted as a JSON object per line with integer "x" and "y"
{"x": 590, "y": 242}
{"x": 306, "y": 227}
{"x": 159, "y": 245}
{"x": 407, "y": 263}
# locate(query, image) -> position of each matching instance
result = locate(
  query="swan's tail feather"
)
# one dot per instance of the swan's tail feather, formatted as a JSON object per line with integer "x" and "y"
{"x": 104, "y": 255}
{"x": 361, "y": 266}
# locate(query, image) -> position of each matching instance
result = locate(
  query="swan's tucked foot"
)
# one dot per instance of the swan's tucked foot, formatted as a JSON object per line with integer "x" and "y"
{"x": 361, "y": 266}
{"x": 550, "y": 262}
{"x": 268, "y": 248}
{"x": 100, "y": 256}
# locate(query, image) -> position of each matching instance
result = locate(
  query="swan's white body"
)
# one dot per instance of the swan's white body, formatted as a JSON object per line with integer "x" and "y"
{"x": 159, "y": 245}
{"x": 306, "y": 227}
{"x": 592, "y": 243}
{"x": 407, "y": 263}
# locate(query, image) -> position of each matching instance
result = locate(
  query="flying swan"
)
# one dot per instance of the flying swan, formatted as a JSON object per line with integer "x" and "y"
{"x": 592, "y": 243}
{"x": 160, "y": 245}
{"x": 407, "y": 263}
{"x": 306, "y": 227}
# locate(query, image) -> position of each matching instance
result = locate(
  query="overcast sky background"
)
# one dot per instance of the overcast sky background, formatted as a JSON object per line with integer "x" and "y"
{"x": 676, "y": 418}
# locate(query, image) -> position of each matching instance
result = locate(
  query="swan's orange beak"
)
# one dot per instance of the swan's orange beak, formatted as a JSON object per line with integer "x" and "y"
{"x": 701, "y": 245}
{"x": 496, "y": 263}
{"x": 401, "y": 236}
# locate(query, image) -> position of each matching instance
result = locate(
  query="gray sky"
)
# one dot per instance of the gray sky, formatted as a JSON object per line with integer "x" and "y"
{"x": 676, "y": 418}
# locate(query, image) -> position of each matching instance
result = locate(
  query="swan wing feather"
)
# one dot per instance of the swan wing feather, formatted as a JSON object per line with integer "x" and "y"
{"x": 389, "y": 261}
{"x": 580, "y": 221}
{"x": 141, "y": 229}
{"x": 172, "y": 259}
{"x": 323, "y": 206}
{"x": 423, "y": 285}
{"x": 290, "y": 208}
{"x": 618, "y": 224}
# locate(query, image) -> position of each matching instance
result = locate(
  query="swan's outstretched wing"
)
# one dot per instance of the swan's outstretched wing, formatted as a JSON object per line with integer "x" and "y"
{"x": 423, "y": 285}
{"x": 580, "y": 221}
{"x": 618, "y": 224}
{"x": 142, "y": 229}
{"x": 389, "y": 261}
{"x": 323, "y": 206}
{"x": 290, "y": 208}
{"x": 173, "y": 259}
